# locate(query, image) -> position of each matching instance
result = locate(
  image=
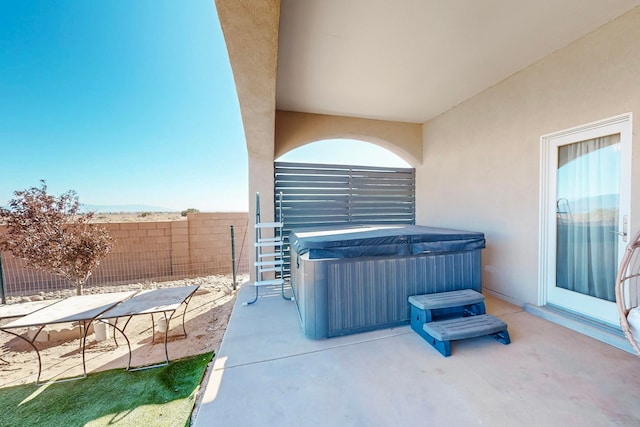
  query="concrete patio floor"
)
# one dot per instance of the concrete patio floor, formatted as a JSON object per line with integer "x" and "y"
{"x": 268, "y": 374}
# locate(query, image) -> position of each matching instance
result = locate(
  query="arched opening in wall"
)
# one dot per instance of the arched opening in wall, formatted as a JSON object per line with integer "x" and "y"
{"x": 344, "y": 152}
{"x": 342, "y": 183}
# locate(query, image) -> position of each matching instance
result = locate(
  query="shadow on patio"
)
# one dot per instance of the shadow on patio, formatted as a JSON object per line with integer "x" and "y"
{"x": 267, "y": 373}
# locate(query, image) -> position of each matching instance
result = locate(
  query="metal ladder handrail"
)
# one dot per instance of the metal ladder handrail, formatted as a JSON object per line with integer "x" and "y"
{"x": 276, "y": 241}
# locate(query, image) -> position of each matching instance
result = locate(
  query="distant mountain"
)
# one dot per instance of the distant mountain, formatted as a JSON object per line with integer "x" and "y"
{"x": 123, "y": 208}
{"x": 586, "y": 204}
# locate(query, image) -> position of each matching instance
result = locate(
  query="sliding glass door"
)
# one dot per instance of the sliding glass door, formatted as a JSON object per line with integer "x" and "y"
{"x": 588, "y": 185}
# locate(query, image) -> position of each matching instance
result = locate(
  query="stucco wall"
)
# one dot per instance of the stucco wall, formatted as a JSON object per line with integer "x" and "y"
{"x": 250, "y": 31}
{"x": 294, "y": 129}
{"x": 482, "y": 158}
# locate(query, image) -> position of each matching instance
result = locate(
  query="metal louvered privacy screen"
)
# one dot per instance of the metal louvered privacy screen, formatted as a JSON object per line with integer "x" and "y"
{"x": 315, "y": 195}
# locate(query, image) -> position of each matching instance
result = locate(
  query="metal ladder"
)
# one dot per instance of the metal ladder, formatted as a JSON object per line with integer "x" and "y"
{"x": 269, "y": 255}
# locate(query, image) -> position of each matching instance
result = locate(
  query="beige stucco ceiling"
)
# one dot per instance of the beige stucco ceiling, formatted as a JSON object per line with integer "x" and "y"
{"x": 411, "y": 60}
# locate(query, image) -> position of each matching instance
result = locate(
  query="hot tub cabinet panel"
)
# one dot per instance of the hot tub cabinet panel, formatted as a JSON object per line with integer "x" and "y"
{"x": 345, "y": 295}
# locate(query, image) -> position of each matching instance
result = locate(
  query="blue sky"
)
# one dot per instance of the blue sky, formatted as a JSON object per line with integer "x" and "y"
{"x": 125, "y": 102}
{"x": 344, "y": 151}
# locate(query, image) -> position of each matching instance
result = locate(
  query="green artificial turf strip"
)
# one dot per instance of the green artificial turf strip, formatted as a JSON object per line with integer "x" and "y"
{"x": 155, "y": 397}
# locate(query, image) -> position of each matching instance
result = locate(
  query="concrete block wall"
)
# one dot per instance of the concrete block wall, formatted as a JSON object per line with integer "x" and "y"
{"x": 161, "y": 250}
{"x": 142, "y": 250}
{"x": 210, "y": 240}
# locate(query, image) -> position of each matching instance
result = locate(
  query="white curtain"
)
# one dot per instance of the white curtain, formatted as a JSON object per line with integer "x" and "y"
{"x": 587, "y": 216}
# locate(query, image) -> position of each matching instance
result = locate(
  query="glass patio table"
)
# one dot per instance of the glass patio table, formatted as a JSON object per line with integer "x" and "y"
{"x": 81, "y": 309}
{"x": 9, "y": 311}
{"x": 165, "y": 300}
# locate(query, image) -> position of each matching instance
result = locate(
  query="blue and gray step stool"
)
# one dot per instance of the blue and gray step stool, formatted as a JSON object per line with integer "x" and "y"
{"x": 463, "y": 314}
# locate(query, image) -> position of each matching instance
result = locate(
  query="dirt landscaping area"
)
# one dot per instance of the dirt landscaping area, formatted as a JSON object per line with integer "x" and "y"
{"x": 206, "y": 321}
{"x": 138, "y": 217}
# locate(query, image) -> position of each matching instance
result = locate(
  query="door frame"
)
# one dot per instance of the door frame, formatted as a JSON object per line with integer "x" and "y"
{"x": 622, "y": 124}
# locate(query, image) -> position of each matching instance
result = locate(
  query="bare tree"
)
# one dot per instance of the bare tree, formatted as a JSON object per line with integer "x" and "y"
{"x": 50, "y": 234}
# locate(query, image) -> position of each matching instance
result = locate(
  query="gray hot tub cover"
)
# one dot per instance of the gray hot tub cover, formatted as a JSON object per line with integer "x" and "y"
{"x": 381, "y": 240}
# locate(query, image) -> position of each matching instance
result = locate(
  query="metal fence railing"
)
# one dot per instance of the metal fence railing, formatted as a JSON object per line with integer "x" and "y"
{"x": 114, "y": 270}
{"x": 136, "y": 260}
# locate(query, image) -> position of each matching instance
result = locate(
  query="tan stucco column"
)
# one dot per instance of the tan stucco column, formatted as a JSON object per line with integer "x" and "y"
{"x": 250, "y": 30}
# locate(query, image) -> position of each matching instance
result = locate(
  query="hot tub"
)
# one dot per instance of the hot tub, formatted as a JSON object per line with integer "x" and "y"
{"x": 353, "y": 279}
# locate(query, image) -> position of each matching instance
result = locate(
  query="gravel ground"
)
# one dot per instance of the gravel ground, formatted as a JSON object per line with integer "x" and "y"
{"x": 206, "y": 321}
{"x": 212, "y": 283}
